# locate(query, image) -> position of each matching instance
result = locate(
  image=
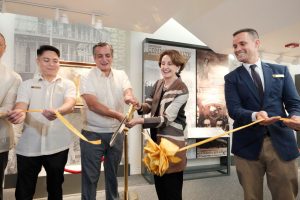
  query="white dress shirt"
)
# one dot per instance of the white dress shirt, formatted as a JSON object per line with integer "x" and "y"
{"x": 110, "y": 92}
{"x": 9, "y": 83}
{"x": 41, "y": 136}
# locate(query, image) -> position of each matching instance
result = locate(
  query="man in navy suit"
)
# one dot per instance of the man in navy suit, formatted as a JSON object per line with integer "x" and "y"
{"x": 262, "y": 91}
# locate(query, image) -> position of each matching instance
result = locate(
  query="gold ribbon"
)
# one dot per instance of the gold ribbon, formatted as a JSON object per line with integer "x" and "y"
{"x": 157, "y": 157}
{"x": 67, "y": 124}
{"x": 74, "y": 130}
{"x": 218, "y": 136}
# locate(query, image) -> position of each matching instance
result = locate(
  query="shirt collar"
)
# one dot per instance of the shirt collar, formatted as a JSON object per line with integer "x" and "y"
{"x": 102, "y": 74}
{"x": 247, "y": 65}
{"x": 39, "y": 77}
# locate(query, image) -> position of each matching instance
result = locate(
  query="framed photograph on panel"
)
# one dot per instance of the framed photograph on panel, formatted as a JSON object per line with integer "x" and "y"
{"x": 73, "y": 71}
{"x": 211, "y": 106}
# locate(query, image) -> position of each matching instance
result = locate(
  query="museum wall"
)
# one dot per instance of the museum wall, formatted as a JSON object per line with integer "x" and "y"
{"x": 24, "y": 34}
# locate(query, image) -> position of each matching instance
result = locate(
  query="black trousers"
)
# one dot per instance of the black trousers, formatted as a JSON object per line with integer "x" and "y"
{"x": 169, "y": 186}
{"x": 29, "y": 168}
{"x": 3, "y": 163}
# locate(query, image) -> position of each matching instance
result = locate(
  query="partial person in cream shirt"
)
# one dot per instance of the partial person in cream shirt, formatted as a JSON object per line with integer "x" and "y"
{"x": 9, "y": 83}
{"x": 45, "y": 140}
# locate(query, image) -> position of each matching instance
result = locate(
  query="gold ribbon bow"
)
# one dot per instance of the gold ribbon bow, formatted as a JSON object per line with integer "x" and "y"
{"x": 157, "y": 157}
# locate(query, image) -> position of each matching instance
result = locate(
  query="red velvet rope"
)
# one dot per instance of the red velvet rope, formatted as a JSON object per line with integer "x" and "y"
{"x": 79, "y": 171}
{"x": 73, "y": 171}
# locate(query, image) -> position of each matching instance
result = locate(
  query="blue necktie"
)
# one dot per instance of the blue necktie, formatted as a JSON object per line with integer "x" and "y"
{"x": 257, "y": 81}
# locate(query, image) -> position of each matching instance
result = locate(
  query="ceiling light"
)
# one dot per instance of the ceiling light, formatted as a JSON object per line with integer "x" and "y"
{"x": 98, "y": 24}
{"x": 292, "y": 45}
{"x": 61, "y": 17}
{"x": 57, "y": 14}
{"x": 64, "y": 18}
{"x": 93, "y": 19}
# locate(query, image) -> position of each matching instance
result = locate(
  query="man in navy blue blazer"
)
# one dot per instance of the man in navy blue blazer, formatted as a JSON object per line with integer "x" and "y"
{"x": 257, "y": 90}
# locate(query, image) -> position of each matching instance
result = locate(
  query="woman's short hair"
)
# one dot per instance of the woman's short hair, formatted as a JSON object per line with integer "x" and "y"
{"x": 176, "y": 58}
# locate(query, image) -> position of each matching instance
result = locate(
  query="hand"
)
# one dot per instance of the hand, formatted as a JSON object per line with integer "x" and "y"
{"x": 134, "y": 122}
{"x": 137, "y": 106}
{"x": 49, "y": 114}
{"x": 293, "y": 122}
{"x": 16, "y": 116}
{"x": 130, "y": 100}
{"x": 267, "y": 120}
{"x": 3, "y": 114}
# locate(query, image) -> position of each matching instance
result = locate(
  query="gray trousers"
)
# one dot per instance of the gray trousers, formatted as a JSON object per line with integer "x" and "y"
{"x": 91, "y": 164}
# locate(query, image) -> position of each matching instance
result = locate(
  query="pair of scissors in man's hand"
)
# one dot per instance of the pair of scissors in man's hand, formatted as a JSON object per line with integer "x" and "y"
{"x": 122, "y": 125}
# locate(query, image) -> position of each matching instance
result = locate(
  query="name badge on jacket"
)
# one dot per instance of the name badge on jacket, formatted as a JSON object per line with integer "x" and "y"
{"x": 278, "y": 75}
{"x": 36, "y": 87}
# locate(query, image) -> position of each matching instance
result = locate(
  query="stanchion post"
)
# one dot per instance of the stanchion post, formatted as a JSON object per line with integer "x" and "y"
{"x": 125, "y": 163}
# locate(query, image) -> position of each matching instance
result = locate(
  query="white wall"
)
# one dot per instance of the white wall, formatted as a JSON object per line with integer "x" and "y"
{"x": 135, "y": 76}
